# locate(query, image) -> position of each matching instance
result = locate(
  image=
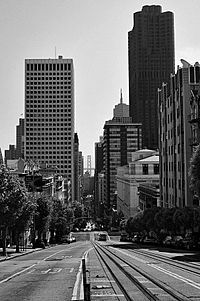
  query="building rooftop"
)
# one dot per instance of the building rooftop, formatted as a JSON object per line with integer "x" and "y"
{"x": 150, "y": 159}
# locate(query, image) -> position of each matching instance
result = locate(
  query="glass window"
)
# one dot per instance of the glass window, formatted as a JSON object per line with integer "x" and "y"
{"x": 145, "y": 169}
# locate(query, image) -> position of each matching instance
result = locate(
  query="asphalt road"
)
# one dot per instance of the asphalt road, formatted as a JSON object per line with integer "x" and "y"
{"x": 49, "y": 274}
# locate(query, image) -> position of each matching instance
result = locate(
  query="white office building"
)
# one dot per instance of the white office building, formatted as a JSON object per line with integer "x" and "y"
{"x": 49, "y": 113}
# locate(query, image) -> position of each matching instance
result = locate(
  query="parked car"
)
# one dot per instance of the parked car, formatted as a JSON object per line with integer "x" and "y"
{"x": 68, "y": 239}
{"x": 150, "y": 240}
{"x": 124, "y": 237}
{"x": 167, "y": 241}
{"x": 102, "y": 237}
{"x": 189, "y": 242}
{"x": 136, "y": 238}
{"x": 73, "y": 238}
{"x": 177, "y": 241}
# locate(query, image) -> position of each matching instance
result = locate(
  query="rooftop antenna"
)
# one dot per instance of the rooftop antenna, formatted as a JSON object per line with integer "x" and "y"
{"x": 55, "y": 52}
{"x": 121, "y": 98}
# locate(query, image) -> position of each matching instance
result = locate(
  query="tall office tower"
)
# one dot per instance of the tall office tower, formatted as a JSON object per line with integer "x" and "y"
{"x": 121, "y": 137}
{"x": 76, "y": 168}
{"x": 151, "y": 61}
{"x": 49, "y": 114}
{"x": 20, "y": 139}
{"x": 179, "y": 134}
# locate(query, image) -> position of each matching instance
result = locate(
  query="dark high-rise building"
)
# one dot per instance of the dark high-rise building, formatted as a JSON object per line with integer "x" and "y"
{"x": 20, "y": 139}
{"x": 10, "y": 154}
{"x": 151, "y": 61}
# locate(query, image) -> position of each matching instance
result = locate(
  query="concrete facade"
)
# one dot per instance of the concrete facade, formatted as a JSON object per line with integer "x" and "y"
{"x": 177, "y": 135}
{"x": 49, "y": 114}
{"x": 144, "y": 168}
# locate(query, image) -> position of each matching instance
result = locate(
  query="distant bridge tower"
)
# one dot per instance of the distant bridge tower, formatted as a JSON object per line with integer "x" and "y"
{"x": 89, "y": 164}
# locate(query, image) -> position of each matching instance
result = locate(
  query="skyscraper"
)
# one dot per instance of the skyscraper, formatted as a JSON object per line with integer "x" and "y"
{"x": 151, "y": 61}
{"x": 121, "y": 137}
{"x": 49, "y": 113}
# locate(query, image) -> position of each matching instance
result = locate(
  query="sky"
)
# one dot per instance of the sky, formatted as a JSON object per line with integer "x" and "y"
{"x": 94, "y": 33}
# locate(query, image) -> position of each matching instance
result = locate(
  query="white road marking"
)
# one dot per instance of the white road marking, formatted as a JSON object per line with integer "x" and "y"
{"x": 45, "y": 272}
{"x": 55, "y": 271}
{"x": 31, "y": 271}
{"x": 78, "y": 277}
{"x": 169, "y": 273}
{"x": 78, "y": 287}
{"x": 134, "y": 257}
{"x": 24, "y": 270}
{"x": 16, "y": 274}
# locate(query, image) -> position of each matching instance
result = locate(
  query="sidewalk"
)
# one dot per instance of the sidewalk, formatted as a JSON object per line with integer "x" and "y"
{"x": 11, "y": 252}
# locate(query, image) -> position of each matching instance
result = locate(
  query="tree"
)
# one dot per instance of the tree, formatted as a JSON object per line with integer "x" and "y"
{"x": 24, "y": 218}
{"x": 149, "y": 219}
{"x": 78, "y": 209}
{"x": 42, "y": 215}
{"x": 164, "y": 220}
{"x": 194, "y": 172}
{"x": 60, "y": 217}
{"x": 135, "y": 224}
{"x": 13, "y": 203}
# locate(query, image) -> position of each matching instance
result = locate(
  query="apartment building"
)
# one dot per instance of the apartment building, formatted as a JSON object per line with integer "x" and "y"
{"x": 178, "y": 134}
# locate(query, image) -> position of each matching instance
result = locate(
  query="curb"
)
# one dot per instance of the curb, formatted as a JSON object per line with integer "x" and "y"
{"x": 19, "y": 254}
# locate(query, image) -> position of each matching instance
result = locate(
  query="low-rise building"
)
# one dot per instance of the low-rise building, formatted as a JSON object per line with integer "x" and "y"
{"x": 149, "y": 195}
{"x": 144, "y": 168}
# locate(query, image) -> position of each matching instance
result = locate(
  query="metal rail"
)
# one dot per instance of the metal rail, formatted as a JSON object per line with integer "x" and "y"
{"x": 117, "y": 259}
{"x": 181, "y": 265}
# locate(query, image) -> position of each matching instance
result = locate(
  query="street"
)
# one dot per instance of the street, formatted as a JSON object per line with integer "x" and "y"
{"x": 48, "y": 274}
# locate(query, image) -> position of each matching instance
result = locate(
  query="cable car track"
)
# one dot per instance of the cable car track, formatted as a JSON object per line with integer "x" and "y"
{"x": 181, "y": 265}
{"x": 149, "y": 286}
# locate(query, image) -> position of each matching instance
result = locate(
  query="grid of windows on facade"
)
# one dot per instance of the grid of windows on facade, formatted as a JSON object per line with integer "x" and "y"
{"x": 49, "y": 113}
{"x": 49, "y": 81}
